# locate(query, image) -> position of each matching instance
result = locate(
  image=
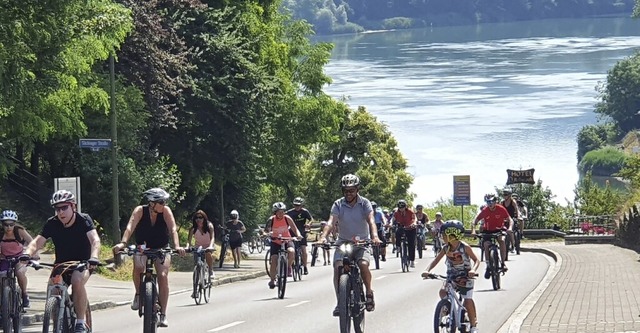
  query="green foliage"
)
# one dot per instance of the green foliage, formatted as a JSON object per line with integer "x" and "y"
{"x": 449, "y": 211}
{"x": 540, "y": 204}
{"x": 398, "y": 23}
{"x": 603, "y": 161}
{"x": 631, "y": 171}
{"x": 593, "y": 200}
{"x": 592, "y": 137}
{"x": 620, "y": 97}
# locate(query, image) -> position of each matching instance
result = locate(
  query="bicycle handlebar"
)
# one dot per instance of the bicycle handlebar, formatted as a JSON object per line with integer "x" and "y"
{"x": 199, "y": 249}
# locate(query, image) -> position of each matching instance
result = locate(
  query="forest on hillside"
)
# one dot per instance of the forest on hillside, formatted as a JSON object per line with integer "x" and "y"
{"x": 348, "y": 16}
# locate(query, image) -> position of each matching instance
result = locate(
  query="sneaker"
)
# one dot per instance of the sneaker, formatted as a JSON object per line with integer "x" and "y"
{"x": 289, "y": 272}
{"x": 305, "y": 271}
{"x": 212, "y": 275}
{"x": 487, "y": 274}
{"x": 25, "y": 301}
{"x": 473, "y": 330}
{"x": 383, "y": 258}
{"x": 80, "y": 328}
{"x": 134, "y": 304}
{"x": 272, "y": 284}
{"x": 412, "y": 265}
{"x": 336, "y": 312}
{"x": 163, "y": 321}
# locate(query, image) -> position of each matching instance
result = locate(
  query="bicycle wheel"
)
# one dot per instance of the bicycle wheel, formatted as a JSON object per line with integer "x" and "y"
{"x": 376, "y": 256}
{"x": 442, "y": 320}
{"x": 314, "y": 254}
{"x": 344, "y": 299}
{"x": 495, "y": 271}
{"x": 296, "y": 264}
{"x": 17, "y": 310}
{"x": 518, "y": 236}
{"x": 68, "y": 319}
{"x": 259, "y": 245}
{"x": 267, "y": 262}
{"x": 206, "y": 287}
{"x": 7, "y": 324}
{"x": 481, "y": 246}
{"x": 405, "y": 257}
{"x": 299, "y": 265}
{"x": 509, "y": 245}
{"x": 251, "y": 244}
{"x": 420, "y": 246}
{"x": 223, "y": 253}
{"x": 50, "y": 316}
{"x": 149, "y": 322}
{"x": 282, "y": 276}
{"x": 357, "y": 311}
{"x": 197, "y": 292}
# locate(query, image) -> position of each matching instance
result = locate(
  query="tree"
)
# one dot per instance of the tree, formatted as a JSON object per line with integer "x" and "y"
{"x": 620, "y": 97}
{"x": 593, "y": 200}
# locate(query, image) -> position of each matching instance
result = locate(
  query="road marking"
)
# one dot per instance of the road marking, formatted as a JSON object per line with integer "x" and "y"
{"x": 381, "y": 277}
{"x": 296, "y": 304}
{"x": 224, "y": 327}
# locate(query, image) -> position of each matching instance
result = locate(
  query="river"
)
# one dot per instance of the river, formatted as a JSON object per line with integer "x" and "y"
{"x": 477, "y": 100}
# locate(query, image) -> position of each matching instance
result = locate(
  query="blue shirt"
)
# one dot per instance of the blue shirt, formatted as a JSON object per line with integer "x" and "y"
{"x": 352, "y": 221}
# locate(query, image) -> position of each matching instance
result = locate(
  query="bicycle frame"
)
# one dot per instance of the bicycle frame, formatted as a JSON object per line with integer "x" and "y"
{"x": 456, "y": 313}
{"x": 493, "y": 256}
{"x": 351, "y": 298}
{"x": 59, "y": 290}
{"x": 201, "y": 279}
{"x": 12, "y": 307}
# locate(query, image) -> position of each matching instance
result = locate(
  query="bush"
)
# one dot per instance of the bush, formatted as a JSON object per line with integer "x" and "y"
{"x": 593, "y": 200}
{"x": 592, "y": 137}
{"x": 603, "y": 162}
{"x": 348, "y": 28}
{"x": 397, "y": 23}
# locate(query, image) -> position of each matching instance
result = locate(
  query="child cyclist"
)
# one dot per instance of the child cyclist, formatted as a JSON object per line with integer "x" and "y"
{"x": 459, "y": 256}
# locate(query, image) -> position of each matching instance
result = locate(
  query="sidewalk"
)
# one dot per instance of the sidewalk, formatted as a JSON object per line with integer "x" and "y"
{"x": 104, "y": 293}
{"x": 591, "y": 288}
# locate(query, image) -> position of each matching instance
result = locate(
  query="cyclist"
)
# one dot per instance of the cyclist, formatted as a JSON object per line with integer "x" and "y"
{"x": 235, "y": 228}
{"x": 302, "y": 218}
{"x": 512, "y": 207}
{"x": 423, "y": 220}
{"x": 435, "y": 232}
{"x": 381, "y": 224}
{"x": 459, "y": 256}
{"x": 406, "y": 220}
{"x": 75, "y": 239}
{"x": 202, "y": 230}
{"x": 152, "y": 224}
{"x": 523, "y": 212}
{"x": 353, "y": 215}
{"x": 12, "y": 241}
{"x": 280, "y": 224}
{"x": 326, "y": 252}
{"x": 494, "y": 216}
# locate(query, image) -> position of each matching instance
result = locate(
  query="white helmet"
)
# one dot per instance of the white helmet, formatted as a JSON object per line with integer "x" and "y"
{"x": 62, "y": 196}
{"x": 278, "y": 206}
{"x": 234, "y": 214}
{"x": 9, "y": 215}
{"x": 156, "y": 194}
{"x": 350, "y": 180}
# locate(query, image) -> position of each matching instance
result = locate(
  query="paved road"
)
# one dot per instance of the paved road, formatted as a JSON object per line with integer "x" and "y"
{"x": 405, "y": 303}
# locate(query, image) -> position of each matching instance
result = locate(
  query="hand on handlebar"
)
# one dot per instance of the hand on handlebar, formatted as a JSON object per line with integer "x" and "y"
{"x": 428, "y": 275}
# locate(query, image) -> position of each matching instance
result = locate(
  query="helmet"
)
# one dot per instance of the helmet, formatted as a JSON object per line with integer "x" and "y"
{"x": 156, "y": 194}
{"x": 9, "y": 215}
{"x": 489, "y": 197}
{"x": 234, "y": 214}
{"x": 298, "y": 201}
{"x": 62, "y": 196}
{"x": 524, "y": 201}
{"x": 515, "y": 196}
{"x": 506, "y": 191}
{"x": 386, "y": 211}
{"x": 402, "y": 204}
{"x": 438, "y": 214}
{"x": 453, "y": 228}
{"x": 419, "y": 206}
{"x": 350, "y": 180}
{"x": 278, "y": 206}
{"x": 374, "y": 204}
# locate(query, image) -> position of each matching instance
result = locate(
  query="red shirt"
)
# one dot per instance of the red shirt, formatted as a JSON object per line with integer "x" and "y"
{"x": 493, "y": 220}
{"x": 405, "y": 219}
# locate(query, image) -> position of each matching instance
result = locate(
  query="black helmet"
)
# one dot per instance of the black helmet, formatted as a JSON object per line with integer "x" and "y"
{"x": 374, "y": 204}
{"x": 350, "y": 180}
{"x": 490, "y": 197}
{"x": 419, "y": 207}
{"x": 156, "y": 194}
{"x": 452, "y": 227}
{"x": 298, "y": 201}
{"x": 402, "y": 204}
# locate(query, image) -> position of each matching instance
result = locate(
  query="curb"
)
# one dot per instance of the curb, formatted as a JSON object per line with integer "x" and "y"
{"x": 513, "y": 324}
{"x": 31, "y": 319}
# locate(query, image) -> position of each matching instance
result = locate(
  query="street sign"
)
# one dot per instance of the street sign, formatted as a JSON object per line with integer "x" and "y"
{"x": 462, "y": 190}
{"x": 95, "y": 144}
{"x": 71, "y": 184}
{"x": 520, "y": 176}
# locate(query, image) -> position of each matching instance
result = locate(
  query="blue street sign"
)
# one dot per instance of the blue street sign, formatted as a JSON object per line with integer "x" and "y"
{"x": 95, "y": 144}
{"x": 462, "y": 190}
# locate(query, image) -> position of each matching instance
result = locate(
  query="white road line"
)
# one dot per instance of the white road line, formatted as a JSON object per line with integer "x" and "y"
{"x": 381, "y": 277}
{"x": 296, "y": 304}
{"x": 224, "y": 327}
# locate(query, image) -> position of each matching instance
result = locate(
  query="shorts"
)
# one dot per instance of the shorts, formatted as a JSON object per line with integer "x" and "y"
{"x": 303, "y": 241}
{"x": 358, "y": 253}
{"x": 274, "y": 249}
{"x": 235, "y": 243}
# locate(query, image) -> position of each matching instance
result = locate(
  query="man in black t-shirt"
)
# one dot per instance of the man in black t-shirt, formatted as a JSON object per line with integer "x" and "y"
{"x": 302, "y": 218}
{"x": 75, "y": 239}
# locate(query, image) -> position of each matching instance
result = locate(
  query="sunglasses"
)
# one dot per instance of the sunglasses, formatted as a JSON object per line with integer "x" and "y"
{"x": 350, "y": 191}
{"x": 61, "y": 208}
{"x": 7, "y": 225}
{"x": 199, "y": 217}
{"x": 160, "y": 202}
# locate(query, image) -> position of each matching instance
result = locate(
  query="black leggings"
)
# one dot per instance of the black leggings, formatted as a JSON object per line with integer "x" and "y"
{"x": 411, "y": 241}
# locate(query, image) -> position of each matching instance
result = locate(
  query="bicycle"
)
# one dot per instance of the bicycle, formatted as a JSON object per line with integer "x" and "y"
{"x": 297, "y": 262}
{"x": 493, "y": 257}
{"x": 223, "y": 248}
{"x": 517, "y": 235}
{"x": 420, "y": 239}
{"x": 59, "y": 310}
{"x": 254, "y": 244}
{"x": 12, "y": 307}
{"x": 282, "y": 265}
{"x": 201, "y": 277}
{"x": 351, "y": 295}
{"x": 450, "y": 314}
{"x": 314, "y": 253}
{"x": 376, "y": 255}
{"x": 404, "y": 252}
{"x": 149, "y": 308}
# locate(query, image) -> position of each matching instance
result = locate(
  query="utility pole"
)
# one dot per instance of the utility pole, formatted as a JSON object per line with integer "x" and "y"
{"x": 115, "y": 223}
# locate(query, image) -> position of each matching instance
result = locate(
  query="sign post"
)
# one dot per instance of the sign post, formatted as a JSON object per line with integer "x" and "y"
{"x": 71, "y": 184}
{"x": 462, "y": 192}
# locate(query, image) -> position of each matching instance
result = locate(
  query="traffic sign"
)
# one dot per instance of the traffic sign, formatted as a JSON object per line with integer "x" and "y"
{"x": 462, "y": 190}
{"x": 95, "y": 144}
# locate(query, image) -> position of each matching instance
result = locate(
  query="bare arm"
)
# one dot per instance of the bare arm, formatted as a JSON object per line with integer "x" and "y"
{"x": 94, "y": 239}
{"x": 435, "y": 262}
{"x": 35, "y": 245}
{"x": 213, "y": 235}
{"x": 25, "y": 236}
{"x": 191, "y": 236}
{"x": 292, "y": 226}
{"x": 472, "y": 256}
{"x": 243, "y": 229}
{"x": 131, "y": 226}
{"x": 171, "y": 226}
{"x": 372, "y": 226}
{"x": 332, "y": 219}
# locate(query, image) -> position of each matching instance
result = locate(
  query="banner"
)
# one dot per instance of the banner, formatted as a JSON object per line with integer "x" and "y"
{"x": 520, "y": 176}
